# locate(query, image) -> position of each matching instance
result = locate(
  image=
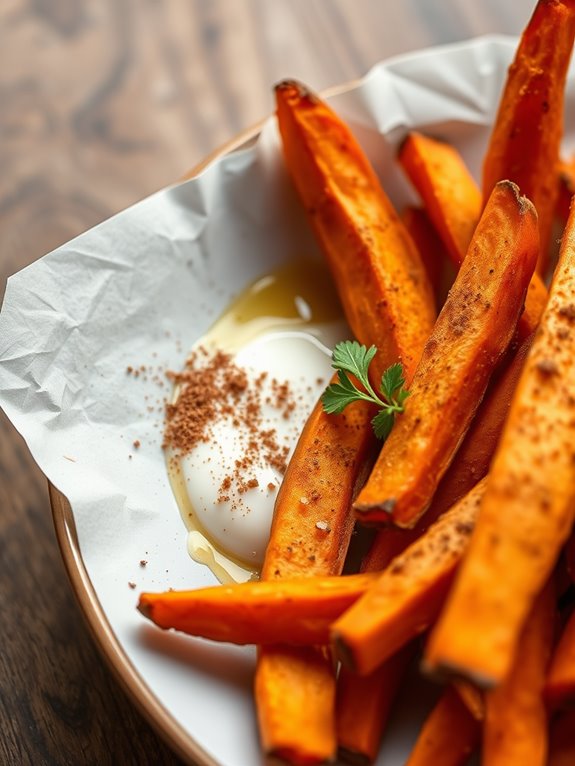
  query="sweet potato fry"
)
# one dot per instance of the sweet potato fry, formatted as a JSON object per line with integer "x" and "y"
{"x": 470, "y": 464}
{"x": 359, "y": 724}
{"x": 434, "y": 173}
{"x": 312, "y": 522}
{"x": 560, "y": 683}
{"x": 258, "y": 612}
{"x": 364, "y": 704}
{"x": 562, "y": 741}
{"x": 473, "y": 458}
{"x": 377, "y": 270}
{"x": 471, "y": 333}
{"x": 449, "y": 735}
{"x": 388, "y": 303}
{"x": 453, "y": 202}
{"x": 527, "y": 512}
{"x": 407, "y": 597}
{"x": 515, "y": 728}
{"x": 429, "y": 247}
{"x": 297, "y": 684}
{"x": 449, "y": 192}
{"x": 524, "y": 144}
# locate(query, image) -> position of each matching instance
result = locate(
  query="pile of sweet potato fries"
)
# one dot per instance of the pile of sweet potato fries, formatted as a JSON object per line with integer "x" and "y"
{"x": 473, "y": 565}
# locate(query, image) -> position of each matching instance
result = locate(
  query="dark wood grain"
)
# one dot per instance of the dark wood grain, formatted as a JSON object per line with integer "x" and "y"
{"x": 101, "y": 103}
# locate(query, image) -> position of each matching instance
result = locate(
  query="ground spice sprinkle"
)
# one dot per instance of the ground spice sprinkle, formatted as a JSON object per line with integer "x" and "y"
{"x": 211, "y": 388}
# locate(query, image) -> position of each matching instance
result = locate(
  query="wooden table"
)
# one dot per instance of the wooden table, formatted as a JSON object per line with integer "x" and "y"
{"x": 101, "y": 103}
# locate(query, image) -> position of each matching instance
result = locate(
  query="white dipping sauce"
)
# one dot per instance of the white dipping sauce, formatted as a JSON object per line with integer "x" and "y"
{"x": 285, "y": 327}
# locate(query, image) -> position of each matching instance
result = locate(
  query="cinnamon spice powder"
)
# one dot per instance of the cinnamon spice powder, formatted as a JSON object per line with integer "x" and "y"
{"x": 212, "y": 387}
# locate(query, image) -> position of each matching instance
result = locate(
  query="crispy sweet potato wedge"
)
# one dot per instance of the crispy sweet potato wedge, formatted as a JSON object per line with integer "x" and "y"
{"x": 470, "y": 464}
{"x": 379, "y": 275}
{"x": 288, "y": 611}
{"x": 528, "y": 509}
{"x": 449, "y": 735}
{"x": 515, "y": 728}
{"x": 381, "y": 282}
{"x": 359, "y": 735}
{"x": 524, "y": 144}
{"x": 297, "y": 684}
{"x": 472, "y": 332}
{"x": 453, "y": 202}
{"x": 406, "y": 597}
{"x": 449, "y": 192}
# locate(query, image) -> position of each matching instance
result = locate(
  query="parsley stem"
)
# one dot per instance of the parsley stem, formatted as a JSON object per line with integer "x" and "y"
{"x": 375, "y": 398}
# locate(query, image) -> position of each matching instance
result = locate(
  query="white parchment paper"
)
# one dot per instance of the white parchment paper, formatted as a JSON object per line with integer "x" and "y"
{"x": 138, "y": 290}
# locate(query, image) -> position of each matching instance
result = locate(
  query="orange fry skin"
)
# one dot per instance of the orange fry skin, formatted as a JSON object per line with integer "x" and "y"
{"x": 378, "y": 272}
{"x": 359, "y": 735}
{"x": 259, "y": 612}
{"x": 528, "y": 509}
{"x": 515, "y": 727}
{"x": 381, "y": 281}
{"x": 450, "y": 194}
{"x": 406, "y": 597}
{"x": 472, "y": 332}
{"x": 449, "y": 735}
{"x": 524, "y": 144}
{"x": 453, "y": 202}
{"x": 474, "y": 456}
{"x": 292, "y": 679}
{"x": 470, "y": 464}
{"x": 312, "y": 524}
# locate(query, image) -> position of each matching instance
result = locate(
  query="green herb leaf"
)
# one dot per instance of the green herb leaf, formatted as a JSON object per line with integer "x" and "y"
{"x": 337, "y": 396}
{"x": 383, "y": 423}
{"x": 392, "y": 380}
{"x": 354, "y": 358}
{"x": 351, "y": 357}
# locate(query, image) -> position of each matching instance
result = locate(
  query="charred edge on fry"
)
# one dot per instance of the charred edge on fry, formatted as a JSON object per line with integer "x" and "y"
{"x": 343, "y": 652}
{"x": 353, "y": 757}
{"x": 444, "y": 672}
{"x": 145, "y": 609}
{"x": 302, "y": 90}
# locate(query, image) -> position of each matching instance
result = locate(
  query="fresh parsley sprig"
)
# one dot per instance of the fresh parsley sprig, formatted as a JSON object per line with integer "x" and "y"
{"x": 353, "y": 358}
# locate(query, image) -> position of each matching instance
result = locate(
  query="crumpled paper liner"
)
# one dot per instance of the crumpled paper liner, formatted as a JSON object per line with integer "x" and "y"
{"x": 138, "y": 290}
